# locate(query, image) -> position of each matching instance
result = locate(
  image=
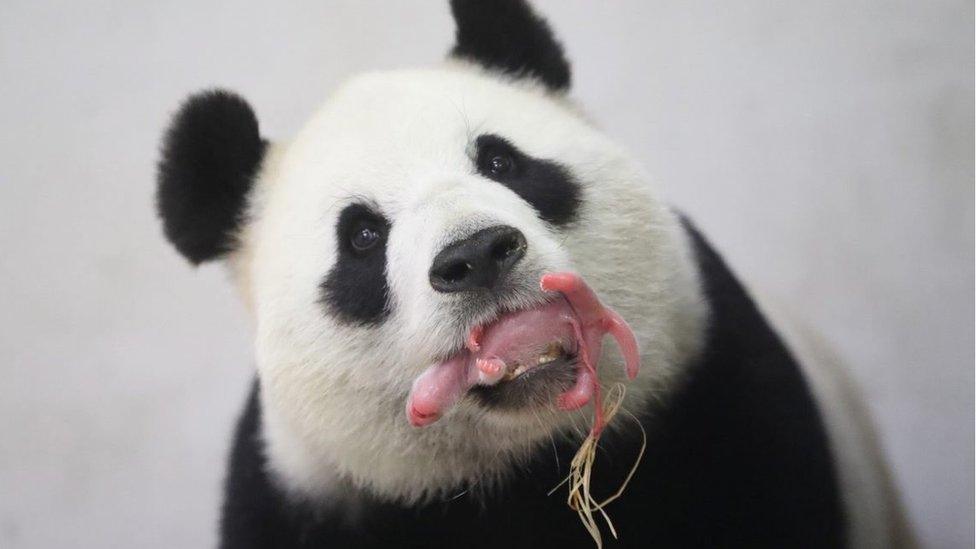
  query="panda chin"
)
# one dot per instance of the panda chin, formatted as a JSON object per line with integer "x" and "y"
{"x": 538, "y": 386}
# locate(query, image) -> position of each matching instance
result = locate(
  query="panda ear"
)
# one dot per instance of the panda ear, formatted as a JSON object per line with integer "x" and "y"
{"x": 507, "y": 35}
{"x": 210, "y": 156}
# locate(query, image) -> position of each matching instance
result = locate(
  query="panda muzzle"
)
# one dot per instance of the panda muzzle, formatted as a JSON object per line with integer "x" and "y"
{"x": 573, "y": 323}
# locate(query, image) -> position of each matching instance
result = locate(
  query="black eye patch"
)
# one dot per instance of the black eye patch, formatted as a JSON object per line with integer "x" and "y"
{"x": 355, "y": 291}
{"x": 546, "y": 185}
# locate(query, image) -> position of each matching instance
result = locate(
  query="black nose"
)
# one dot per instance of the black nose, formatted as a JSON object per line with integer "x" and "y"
{"x": 478, "y": 261}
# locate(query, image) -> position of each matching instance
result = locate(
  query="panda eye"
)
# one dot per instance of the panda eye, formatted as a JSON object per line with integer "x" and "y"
{"x": 364, "y": 237}
{"x": 546, "y": 185}
{"x": 500, "y": 164}
{"x": 496, "y": 160}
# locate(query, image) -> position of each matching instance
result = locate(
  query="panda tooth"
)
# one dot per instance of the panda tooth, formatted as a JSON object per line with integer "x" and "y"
{"x": 553, "y": 351}
{"x": 512, "y": 371}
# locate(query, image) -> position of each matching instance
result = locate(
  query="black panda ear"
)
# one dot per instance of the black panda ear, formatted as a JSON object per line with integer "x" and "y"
{"x": 210, "y": 155}
{"x": 507, "y": 35}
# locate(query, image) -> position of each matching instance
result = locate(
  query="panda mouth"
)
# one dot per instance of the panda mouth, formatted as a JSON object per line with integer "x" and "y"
{"x": 554, "y": 351}
{"x": 528, "y": 356}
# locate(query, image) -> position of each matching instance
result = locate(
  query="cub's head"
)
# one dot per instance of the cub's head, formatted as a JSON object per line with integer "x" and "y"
{"x": 414, "y": 206}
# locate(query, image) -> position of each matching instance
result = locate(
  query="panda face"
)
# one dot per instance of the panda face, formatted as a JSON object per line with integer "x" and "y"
{"x": 415, "y": 207}
{"x": 347, "y": 223}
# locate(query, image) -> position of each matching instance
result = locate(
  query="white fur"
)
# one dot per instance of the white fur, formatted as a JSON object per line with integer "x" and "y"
{"x": 333, "y": 395}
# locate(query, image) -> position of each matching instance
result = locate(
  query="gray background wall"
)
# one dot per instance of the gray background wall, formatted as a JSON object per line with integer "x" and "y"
{"x": 825, "y": 147}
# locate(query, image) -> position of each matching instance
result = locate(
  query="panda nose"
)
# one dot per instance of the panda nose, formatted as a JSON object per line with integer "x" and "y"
{"x": 479, "y": 261}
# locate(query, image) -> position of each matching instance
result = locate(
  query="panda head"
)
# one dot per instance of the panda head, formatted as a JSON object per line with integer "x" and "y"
{"x": 414, "y": 205}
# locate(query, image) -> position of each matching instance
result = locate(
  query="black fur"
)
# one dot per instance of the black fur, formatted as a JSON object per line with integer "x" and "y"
{"x": 738, "y": 458}
{"x": 507, "y": 35}
{"x": 356, "y": 290}
{"x": 545, "y": 184}
{"x": 210, "y": 155}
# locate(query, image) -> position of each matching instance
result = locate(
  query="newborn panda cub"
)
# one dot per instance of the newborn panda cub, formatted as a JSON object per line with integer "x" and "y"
{"x": 421, "y": 261}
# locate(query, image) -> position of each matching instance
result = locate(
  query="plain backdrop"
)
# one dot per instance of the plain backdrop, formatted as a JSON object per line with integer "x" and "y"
{"x": 825, "y": 147}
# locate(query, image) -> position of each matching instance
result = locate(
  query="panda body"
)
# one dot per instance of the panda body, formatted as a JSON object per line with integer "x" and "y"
{"x": 334, "y": 239}
{"x": 721, "y": 470}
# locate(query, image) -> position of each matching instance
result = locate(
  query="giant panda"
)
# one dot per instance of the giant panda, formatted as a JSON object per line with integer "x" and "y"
{"x": 418, "y": 206}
